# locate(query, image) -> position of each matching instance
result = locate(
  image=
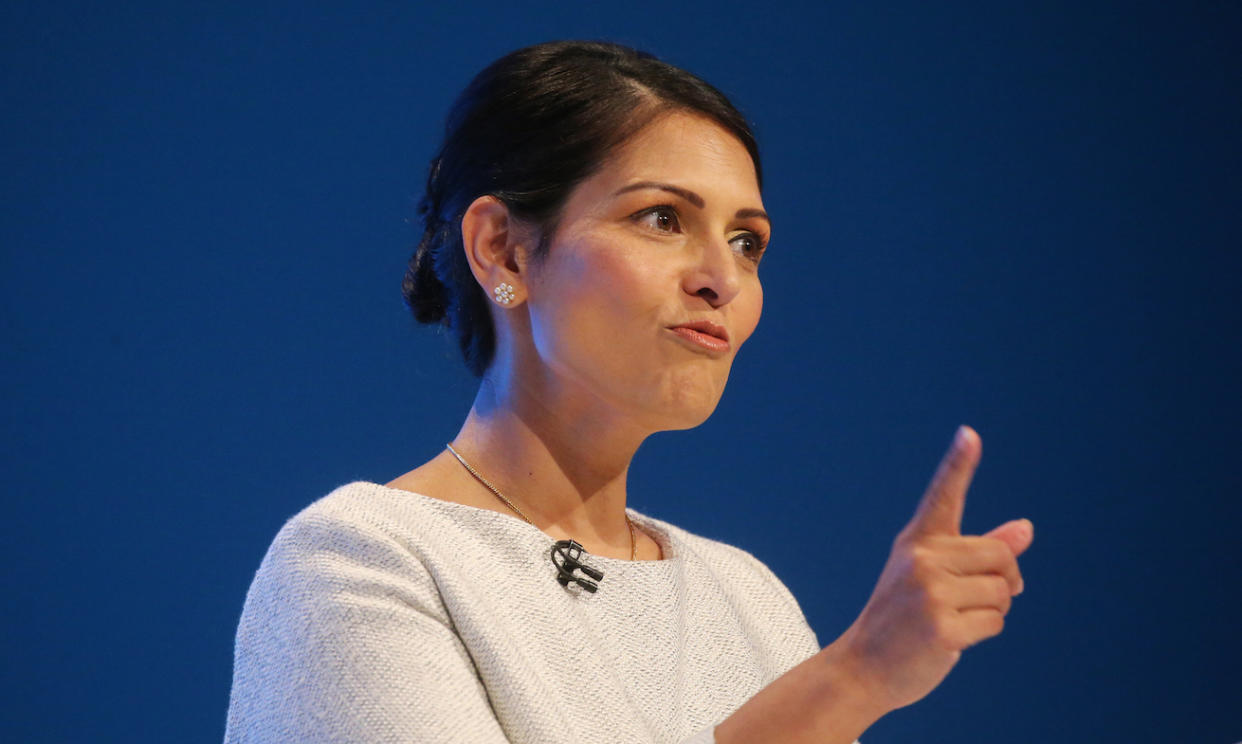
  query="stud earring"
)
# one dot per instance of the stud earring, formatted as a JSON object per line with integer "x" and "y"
{"x": 503, "y": 293}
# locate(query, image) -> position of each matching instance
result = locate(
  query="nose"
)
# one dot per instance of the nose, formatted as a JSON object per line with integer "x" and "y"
{"x": 713, "y": 274}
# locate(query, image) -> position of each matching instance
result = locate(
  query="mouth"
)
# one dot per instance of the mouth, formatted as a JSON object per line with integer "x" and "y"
{"x": 704, "y": 335}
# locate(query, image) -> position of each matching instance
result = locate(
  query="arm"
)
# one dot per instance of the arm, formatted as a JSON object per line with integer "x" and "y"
{"x": 343, "y": 638}
{"x": 817, "y": 702}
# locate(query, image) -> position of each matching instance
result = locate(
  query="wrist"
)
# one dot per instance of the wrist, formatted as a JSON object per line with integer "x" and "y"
{"x": 849, "y": 680}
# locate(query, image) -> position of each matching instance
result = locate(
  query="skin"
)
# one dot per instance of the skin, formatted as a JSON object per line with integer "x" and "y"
{"x": 586, "y": 368}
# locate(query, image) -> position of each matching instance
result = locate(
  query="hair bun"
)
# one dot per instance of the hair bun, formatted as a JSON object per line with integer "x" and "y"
{"x": 425, "y": 294}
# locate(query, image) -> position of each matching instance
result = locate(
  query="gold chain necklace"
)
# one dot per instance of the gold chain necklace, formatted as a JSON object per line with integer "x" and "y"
{"x": 487, "y": 484}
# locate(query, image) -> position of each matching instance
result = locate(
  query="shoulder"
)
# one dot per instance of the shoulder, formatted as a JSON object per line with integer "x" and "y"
{"x": 700, "y": 547}
{"x": 750, "y": 589}
{"x": 362, "y": 510}
{"x": 338, "y": 554}
{"x": 358, "y": 530}
{"x": 364, "y": 529}
{"x": 732, "y": 564}
{"x": 353, "y": 517}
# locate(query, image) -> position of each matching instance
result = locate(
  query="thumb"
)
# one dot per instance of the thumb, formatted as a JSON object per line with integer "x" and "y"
{"x": 1017, "y": 534}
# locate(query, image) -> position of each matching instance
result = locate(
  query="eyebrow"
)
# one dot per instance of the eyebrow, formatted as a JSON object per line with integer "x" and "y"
{"x": 691, "y": 197}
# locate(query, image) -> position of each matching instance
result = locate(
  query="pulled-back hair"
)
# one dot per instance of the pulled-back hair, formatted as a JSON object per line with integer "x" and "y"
{"x": 527, "y": 130}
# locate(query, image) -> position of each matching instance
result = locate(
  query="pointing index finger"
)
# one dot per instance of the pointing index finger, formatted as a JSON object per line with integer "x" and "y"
{"x": 940, "y": 510}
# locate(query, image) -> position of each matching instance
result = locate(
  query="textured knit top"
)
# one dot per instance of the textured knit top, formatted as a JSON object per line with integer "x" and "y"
{"x": 382, "y": 615}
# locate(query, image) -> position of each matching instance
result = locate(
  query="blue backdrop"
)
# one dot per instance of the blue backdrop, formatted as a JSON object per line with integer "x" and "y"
{"x": 1020, "y": 216}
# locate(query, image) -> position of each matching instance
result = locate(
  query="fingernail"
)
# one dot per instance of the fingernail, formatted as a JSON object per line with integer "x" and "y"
{"x": 961, "y": 439}
{"x": 1021, "y": 586}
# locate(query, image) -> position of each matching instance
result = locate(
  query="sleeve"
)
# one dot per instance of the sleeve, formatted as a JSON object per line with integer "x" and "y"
{"x": 343, "y": 638}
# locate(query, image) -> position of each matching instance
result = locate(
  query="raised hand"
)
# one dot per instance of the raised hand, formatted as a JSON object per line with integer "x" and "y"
{"x": 940, "y": 591}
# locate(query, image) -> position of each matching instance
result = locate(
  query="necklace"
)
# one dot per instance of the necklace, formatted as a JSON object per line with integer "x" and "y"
{"x": 487, "y": 484}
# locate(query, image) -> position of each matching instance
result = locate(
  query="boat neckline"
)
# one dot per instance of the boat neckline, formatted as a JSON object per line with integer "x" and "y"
{"x": 656, "y": 529}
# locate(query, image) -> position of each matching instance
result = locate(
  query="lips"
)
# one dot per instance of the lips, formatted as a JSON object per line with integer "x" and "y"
{"x": 706, "y": 327}
{"x": 704, "y": 336}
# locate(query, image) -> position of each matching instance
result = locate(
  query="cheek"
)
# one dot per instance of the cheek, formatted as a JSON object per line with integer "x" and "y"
{"x": 620, "y": 280}
{"x": 596, "y": 304}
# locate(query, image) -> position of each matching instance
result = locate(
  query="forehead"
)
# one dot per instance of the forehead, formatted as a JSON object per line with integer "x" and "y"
{"x": 684, "y": 149}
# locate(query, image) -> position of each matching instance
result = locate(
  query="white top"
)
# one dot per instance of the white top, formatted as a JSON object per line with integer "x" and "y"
{"x": 381, "y": 615}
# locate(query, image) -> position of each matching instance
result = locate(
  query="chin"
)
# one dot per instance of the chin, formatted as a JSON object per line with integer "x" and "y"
{"x": 689, "y": 422}
{"x": 669, "y": 420}
{"x": 688, "y": 407}
{"x": 676, "y": 398}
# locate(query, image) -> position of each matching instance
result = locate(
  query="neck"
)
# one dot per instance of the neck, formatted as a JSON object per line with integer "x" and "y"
{"x": 561, "y": 458}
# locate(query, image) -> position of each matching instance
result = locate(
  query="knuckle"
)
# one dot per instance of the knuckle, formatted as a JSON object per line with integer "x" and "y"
{"x": 944, "y": 633}
{"x": 907, "y": 538}
{"x": 984, "y": 627}
{"x": 996, "y": 552}
{"x": 902, "y": 538}
{"x": 1000, "y": 594}
{"x": 935, "y": 598}
{"x": 921, "y": 556}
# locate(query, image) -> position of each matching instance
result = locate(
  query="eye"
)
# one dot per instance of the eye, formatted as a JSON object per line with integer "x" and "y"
{"x": 662, "y": 218}
{"x": 749, "y": 245}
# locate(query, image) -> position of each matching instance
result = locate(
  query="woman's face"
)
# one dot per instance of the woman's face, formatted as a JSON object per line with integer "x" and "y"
{"x": 667, "y": 234}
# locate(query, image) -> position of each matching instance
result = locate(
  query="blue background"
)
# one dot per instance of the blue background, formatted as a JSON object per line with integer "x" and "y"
{"x": 1020, "y": 216}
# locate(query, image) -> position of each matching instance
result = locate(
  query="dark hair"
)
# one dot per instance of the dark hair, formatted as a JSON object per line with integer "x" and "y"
{"x": 527, "y": 130}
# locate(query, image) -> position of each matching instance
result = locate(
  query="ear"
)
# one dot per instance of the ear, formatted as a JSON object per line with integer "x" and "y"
{"x": 490, "y": 237}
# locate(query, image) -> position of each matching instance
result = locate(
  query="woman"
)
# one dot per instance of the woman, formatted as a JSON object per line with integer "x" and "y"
{"x": 594, "y": 227}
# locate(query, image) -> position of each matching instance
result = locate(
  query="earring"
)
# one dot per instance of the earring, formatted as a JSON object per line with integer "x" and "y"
{"x": 503, "y": 293}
